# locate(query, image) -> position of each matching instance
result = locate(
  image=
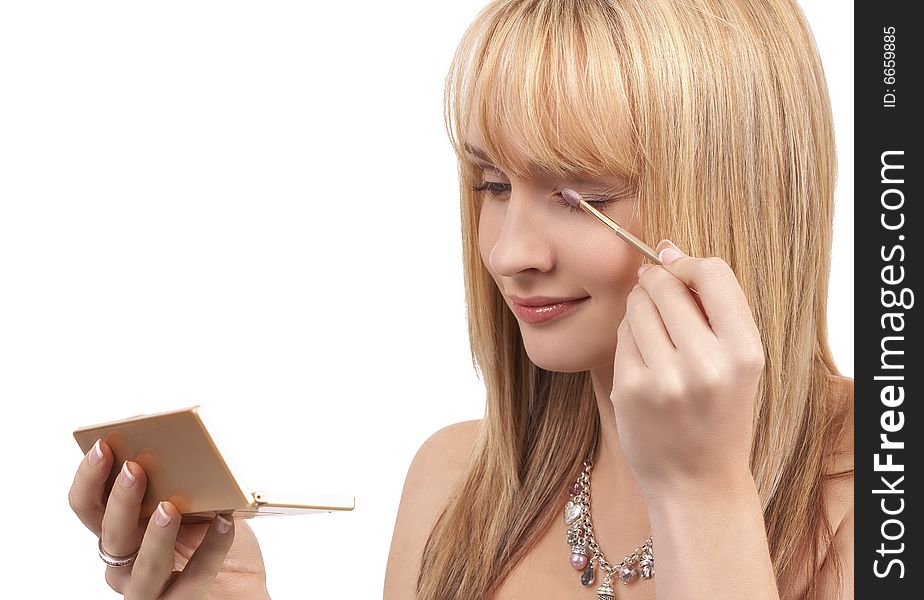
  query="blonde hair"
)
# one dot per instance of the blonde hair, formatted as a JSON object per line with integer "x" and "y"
{"x": 718, "y": 112}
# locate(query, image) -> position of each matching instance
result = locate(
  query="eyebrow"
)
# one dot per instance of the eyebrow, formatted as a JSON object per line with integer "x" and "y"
{"x": 478, "y": 153}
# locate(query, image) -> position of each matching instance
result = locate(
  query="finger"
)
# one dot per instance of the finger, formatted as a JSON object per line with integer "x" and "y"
{"x": 153, "y": 568}
{"x": 89, "y": 486}
{"x": 122, "y": 532}
{"x": 682, "y": 316}
{"x": 648, "y": 331}
{"x": 722, "y": 298}
{"x": 200, "y": 572}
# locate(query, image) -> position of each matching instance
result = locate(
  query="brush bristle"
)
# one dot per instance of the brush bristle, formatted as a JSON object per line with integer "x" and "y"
{"x": 572, "y": 197}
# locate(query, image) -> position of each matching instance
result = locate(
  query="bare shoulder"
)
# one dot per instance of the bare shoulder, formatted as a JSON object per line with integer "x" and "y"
{"x": 842, "y": 460}
{"x": 839, "y": 487}
{"x": 839, "y": 504}
{"x": 431, "y": 479}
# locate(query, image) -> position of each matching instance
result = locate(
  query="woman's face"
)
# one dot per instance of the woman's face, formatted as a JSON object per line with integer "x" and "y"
{"x": 534, "y": 245}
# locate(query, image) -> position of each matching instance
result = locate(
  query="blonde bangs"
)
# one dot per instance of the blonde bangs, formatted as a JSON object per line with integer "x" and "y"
{"x": 543, "y": 83}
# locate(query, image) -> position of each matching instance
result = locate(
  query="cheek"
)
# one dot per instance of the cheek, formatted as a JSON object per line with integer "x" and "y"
{"x": 609, "y": 265}
{"x": 487, "y": 236}
{"x": 619, "y": 273}
{"x": 608, "y": 277}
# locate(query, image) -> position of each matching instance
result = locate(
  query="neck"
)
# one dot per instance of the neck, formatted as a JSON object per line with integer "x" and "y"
{"x": 612, "y": 473}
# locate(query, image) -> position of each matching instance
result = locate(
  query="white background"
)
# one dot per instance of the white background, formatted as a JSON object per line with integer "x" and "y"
{"x": 175, "y": 180}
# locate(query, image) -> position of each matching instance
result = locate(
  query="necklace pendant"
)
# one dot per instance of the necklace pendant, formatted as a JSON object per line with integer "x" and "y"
{"x": 646, "y": 566}
{"x": 626, "y": 573}
{"x": 587, "y": 577}
{"x": 572, "y": 512}
{"x": 585, "y": 549}
{"x": 579, "y": 559}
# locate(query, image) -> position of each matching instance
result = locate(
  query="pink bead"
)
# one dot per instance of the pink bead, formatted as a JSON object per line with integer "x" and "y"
{"x": 575, "y": 488}
{"x": 578, "y": 561}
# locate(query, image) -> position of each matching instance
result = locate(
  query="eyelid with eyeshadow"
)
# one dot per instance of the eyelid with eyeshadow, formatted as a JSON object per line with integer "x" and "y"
{"x": 600, "y": 201}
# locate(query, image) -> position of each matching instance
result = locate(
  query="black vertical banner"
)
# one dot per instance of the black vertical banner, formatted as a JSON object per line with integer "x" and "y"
{"x": 887, "y": 242}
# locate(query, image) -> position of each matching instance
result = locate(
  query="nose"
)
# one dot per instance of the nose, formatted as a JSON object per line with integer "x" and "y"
{"x": 525, "y": 241}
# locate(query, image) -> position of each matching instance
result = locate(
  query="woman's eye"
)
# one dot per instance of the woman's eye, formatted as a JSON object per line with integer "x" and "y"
{"x": 496, "y": 188}
{"x": 600, "y": 203}
{"x": 493, "y": 187}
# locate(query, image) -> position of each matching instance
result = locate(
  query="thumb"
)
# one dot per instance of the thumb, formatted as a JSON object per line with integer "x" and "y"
{"x": 206, "y": 561}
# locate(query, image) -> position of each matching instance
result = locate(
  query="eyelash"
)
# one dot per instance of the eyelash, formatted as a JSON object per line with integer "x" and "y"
{"x": 489, "y": 187}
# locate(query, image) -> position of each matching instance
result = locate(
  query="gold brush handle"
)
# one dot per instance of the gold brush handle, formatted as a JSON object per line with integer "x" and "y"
{"x": 623, "y": 233}
{"x": 628, "y": 236}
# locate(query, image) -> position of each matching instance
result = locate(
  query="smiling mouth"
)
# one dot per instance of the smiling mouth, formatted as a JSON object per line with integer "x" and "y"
{"x": 542, "y": 300}
{"x": 540, "y": 313}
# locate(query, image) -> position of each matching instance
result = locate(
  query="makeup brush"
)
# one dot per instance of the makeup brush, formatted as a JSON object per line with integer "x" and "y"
{"x": 575, "y": 200}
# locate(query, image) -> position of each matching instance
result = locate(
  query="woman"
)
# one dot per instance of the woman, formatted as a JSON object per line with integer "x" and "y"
{"x": 703, "y": 122}
{"x": 713, "y": 422}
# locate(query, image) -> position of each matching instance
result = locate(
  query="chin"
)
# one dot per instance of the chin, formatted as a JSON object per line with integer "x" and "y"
{"x": 567, "y": 358}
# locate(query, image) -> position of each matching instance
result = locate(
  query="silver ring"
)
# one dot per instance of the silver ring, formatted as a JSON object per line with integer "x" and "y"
{"x": 115, "y": 561}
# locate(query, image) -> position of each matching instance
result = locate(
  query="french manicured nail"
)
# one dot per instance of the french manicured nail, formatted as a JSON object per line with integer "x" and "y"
{"x": 127, "y": 479}
{"x": 223, "y": 525}
{"x": 670, "y": 254}
{"x": 96, "y": 454}
{"x": 643, "y": 268}
{"x": 161, "y": 517}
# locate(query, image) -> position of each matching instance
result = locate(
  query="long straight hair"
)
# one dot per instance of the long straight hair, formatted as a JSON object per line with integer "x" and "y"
{"x": 717, "y": 111}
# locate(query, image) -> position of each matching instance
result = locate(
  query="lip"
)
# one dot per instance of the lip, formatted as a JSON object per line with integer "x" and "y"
{"x": 539, "y": 309}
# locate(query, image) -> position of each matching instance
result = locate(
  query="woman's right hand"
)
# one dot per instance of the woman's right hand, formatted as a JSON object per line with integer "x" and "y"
{"x": 175, "y": 561}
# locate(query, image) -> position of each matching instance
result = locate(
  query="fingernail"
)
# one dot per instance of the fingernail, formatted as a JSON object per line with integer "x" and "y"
{"x": 96, "y": 454}
{"x": 643, "y": 268}
{"x": 670, "y": 254}
{"x": 160, "y": 516}
{"x": 127, "y": 479}
{"x": 223, "y": 525}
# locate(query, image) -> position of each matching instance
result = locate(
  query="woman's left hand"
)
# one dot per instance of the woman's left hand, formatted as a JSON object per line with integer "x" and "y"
{"x": 684, "y": 382}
